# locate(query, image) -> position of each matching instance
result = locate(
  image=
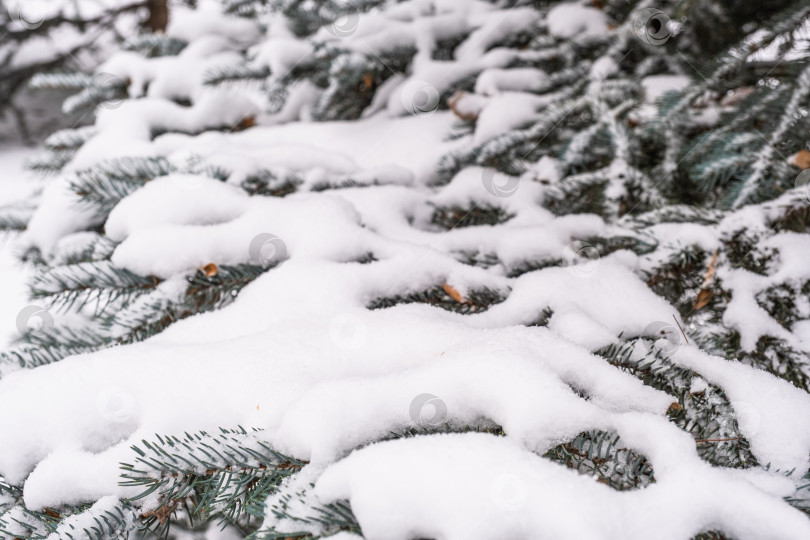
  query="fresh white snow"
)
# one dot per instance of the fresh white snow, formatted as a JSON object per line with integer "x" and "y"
{"x": 300, "y": 356}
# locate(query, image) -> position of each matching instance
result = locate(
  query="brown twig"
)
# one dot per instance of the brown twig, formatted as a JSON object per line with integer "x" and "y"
{"x": 681, "y": 329}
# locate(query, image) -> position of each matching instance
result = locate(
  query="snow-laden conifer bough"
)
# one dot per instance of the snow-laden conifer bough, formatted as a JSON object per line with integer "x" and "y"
{"x": 449, "y": 269}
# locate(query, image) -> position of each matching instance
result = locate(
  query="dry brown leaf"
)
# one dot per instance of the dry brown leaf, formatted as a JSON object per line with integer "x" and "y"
{"x": 703, "y": 299}
{"x": 736, "y": 96}
{"x": 453, "y": 104}
{"x": 210, "y": 270}
{"x": 674, "y": 407}
{"x": 453, "y": 292}
{"x": 801, "y": 159}
{"x": 163, "y": 513}
{"x": 245, "y": 123}
{"x": 710, "y": 272}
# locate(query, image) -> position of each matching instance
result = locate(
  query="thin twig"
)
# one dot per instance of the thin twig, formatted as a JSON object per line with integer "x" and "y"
{"x": 681, "y": 329}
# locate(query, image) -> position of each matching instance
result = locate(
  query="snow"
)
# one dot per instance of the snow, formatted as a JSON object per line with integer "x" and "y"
{"x": 743, "y": 313}
{"x": 56, "y": 216}
{"x": 175, "y": 199}
{"x": 568, "y": 20}
{"x": 496, "y": 27}
{"x": 172, "y": 77}
{"x": 281, "y": 54}
{"x": 319, "y": 394}
{"x": 776, "y": 437}
{"x": 14, "y": 186}
{"x": 396, "y": 493}
{"x": 507, "y": 111}
{"x": 603, "y": 68}
{"x": 12, "y": 276}
{"x": 193, "y": 24}
{"x": 175, "y": 248}
{"x": 656, "y": 86}
{"x": 318, "y": 149}
{"x": 299, "y": 355}
{"x": 492, "y": 81}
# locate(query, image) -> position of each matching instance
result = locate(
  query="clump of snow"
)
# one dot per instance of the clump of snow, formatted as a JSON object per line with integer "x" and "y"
{"x": 182, "y": 199}
{"x": 192, "y": 24}
{"x": 656, "y": 86}
{"x": 570, "y": 20}
{"x": 492, "y": 81}
{"x": 507, "y": 111}
{"x": 603, "y": 68}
